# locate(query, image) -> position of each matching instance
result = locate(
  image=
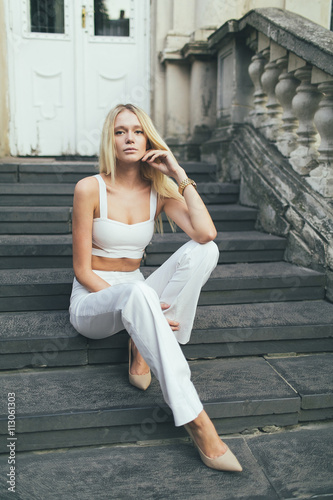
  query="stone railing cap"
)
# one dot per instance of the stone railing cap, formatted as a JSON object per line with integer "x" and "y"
{"x": 295, "y": 33}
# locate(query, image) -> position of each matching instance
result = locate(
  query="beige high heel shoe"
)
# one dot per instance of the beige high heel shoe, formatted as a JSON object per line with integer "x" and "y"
{"x": 140, "y": 381}
{"x": 225, "y": 462}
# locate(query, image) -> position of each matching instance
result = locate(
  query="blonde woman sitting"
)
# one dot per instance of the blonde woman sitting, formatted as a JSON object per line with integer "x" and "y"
{"x": 114, "y": 214}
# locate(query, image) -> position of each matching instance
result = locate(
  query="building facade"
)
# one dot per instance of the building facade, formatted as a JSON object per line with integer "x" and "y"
{"x": 65, "y": 64}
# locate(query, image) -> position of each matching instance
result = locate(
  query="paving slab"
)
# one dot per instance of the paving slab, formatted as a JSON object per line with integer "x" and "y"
{"x": 163, "y": 471}
{"x": 46, "y": 338}
{"x": 100, "y": 396}
{"x": 71, "y": 171}
{"x": 20, "y": 251}
{"x": 248, "y": 240}
{"x": 298, "y": 464}
{"x": 50, "y": 288}
{"x": 290, "y": 464}
{"x": 311, "y": 376}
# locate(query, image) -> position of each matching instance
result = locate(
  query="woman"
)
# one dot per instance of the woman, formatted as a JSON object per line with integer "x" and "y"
{"x": 113, "y": 221}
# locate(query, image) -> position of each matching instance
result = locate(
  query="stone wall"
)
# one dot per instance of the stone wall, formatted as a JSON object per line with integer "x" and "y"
{"x": 287, "y": 205}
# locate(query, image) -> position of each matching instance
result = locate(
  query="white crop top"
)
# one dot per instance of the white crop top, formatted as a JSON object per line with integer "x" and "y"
{"x": 117, "y": 239}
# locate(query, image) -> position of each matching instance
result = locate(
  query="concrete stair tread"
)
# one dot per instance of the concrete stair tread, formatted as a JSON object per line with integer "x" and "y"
{"x": 247, "y": 384}
{"x": 226, "y": 274}
{"x": 7, "y": 213}
{"x": 261, "y": 315}
{"x": 71, "y": 171}
{"x": 231, "y": 211}
{"x": 68, "y": 188}
{"x": 17, "y": 189}
{"x": 96, "y": 404}
{"x": 173, "y": 469}
{"x": 76, "y": 165}
{"x": 34, "y": 214}
{"x": 264, "y": 269}
{"x": 230, "y": 240}
{"x": 209, "y": 324}
{"x": 310, "y": 376}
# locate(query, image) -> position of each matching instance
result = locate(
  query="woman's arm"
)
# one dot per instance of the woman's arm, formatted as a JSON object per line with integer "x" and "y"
{"x": 190, "y": 214}
{"x": 84, "y": 203}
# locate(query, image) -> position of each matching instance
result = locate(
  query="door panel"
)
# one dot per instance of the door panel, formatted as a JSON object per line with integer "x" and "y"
{"x": 115, "y": 69}
{"x": 64, "y": 78}
{"x": 42, "y": 105}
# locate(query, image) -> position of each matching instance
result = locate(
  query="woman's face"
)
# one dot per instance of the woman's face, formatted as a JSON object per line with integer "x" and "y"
{"x": 130, "y": 139}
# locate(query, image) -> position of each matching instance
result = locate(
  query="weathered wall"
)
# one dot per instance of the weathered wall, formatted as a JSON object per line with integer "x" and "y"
{"x": 4, "y": 113}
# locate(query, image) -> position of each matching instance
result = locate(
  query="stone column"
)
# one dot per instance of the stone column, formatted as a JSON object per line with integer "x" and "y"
{"x": 305, "y": 104}
{"x": 177, "y": 102}
{"x": 202, "y": 99}
{"x": 321, "y": 178}
{"x": 285, "y": 92}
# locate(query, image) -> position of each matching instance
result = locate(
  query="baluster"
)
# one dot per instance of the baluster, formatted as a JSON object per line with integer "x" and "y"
{"x": 305, "y": 104}
{"x": 256, "y": 69}
{"x": 269, "y": 80}
{"x": 285, "y": 91}
{"x": 321, "y": 178}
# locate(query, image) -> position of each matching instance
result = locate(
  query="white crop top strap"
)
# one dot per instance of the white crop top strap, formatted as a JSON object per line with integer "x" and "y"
{"x": 116, "y": 239}
{"x": 103, "y": 201}
{"x": 153, "y": 203}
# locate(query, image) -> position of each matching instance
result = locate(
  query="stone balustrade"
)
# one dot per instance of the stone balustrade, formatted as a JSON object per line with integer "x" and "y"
{"x": 274, "y": 129}
{"x": 292, "y": 89}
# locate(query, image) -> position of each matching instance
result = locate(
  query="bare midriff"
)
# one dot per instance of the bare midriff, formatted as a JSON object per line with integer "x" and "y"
{"x": 123, "y": 264}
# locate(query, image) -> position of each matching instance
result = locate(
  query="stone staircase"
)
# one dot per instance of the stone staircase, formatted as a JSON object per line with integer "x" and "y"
{"x": 260, "y": 352}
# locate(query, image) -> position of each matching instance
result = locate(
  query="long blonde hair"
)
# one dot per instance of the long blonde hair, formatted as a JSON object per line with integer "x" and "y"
{"x": 163, "y": 185}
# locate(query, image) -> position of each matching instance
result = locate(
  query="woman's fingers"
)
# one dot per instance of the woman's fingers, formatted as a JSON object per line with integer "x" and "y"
{"x": 152, "y": 154}
{"x": 174, "y": 324}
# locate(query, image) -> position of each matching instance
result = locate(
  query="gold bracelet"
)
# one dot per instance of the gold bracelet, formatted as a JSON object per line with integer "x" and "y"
{"x": 184, "y": 183}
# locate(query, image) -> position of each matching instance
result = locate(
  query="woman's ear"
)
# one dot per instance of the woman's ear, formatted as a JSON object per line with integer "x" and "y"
{"x": 148, "y": 146}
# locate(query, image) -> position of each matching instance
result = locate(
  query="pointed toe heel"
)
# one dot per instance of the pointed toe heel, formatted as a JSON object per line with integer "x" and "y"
{"x": 140, "y": 381}
{"x": 226, "y": 462}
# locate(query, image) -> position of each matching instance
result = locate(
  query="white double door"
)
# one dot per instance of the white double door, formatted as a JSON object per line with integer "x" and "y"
{"x": 66, "y": 72}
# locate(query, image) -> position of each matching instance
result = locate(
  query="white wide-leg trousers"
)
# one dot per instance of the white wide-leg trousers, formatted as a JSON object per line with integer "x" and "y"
{"x": 133, "y": 303}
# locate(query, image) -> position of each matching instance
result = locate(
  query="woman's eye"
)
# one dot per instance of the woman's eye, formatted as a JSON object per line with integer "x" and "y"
{"x": 139, "y": 131}
{"x": 119, "y": 132}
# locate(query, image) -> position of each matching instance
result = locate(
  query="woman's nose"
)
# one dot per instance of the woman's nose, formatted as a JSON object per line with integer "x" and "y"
{"x": 129, "y": 137}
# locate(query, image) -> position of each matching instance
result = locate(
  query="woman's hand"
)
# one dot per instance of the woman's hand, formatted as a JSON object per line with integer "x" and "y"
{"x": 165, "y": 162}
{"x": 174, "y": 324}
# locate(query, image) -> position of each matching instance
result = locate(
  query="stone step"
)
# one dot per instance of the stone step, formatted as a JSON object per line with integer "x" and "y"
{"x": 43, "y": 251}
{"x": 35, "y": 220}
{"x": 25, "y": 194}
{"x": 173, "y": 470}
{"x": 49, "y": 289}
{"x": 95, "y": 405}
{"x": 71, "y": 172}
{"x": 47, "y": 339}
{"x": 57, "y": 220}
{"x": 238, "y": 246}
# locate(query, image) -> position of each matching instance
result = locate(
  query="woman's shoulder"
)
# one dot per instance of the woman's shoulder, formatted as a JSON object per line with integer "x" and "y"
{"x": 87, "y": 185}
{"x": 87, "y": 188}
